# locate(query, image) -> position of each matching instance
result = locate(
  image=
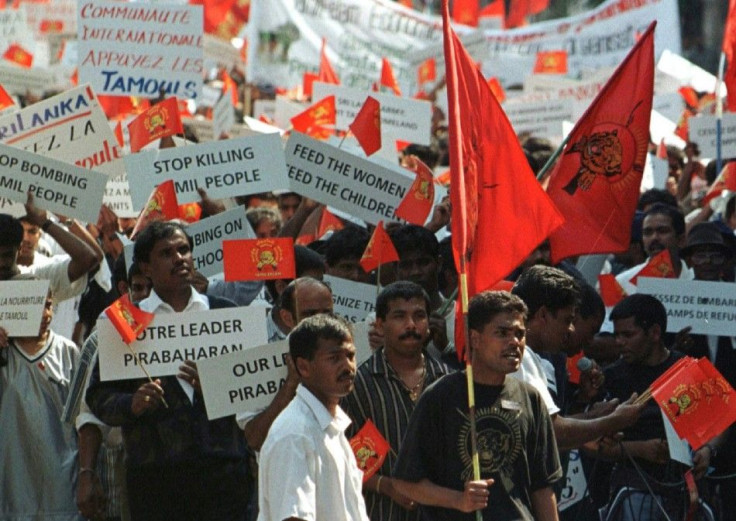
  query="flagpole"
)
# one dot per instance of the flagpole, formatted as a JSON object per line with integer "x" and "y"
{"x": 142, "y": 366}
{"x": 343, "y": 138}
{"x": 719, "y": 112}
{"x": 553, "y": 158}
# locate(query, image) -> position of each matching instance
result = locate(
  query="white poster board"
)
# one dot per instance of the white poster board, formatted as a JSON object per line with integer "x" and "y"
{"x": 21, "y": 306}
{"x": 207, "y": 236}
{"x": 352, "y": 300}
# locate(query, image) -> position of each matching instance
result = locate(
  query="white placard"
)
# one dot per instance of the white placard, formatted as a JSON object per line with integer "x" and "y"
{"x": 14, "y": 29}
{"x": 174, "y": 337}
{"x": 57, "y": 186}
{"x": 576, "y": 486}
{"x": 226, "y": 168}
{"x": 245, "y": 381}
{"x": 345, "y": 181}
{"x": 351, "y": 300}
{"x": 70, "y": 127}
{"x": 137, "y": 49}
{"x": 207, "y": 236}
{"x": 19, "y": 80}
{"x": 285, "y": 109}
{"x": 708, "y": 307}
{"x": 221, "y": 52}
{"x": 679, "y": 449}
{"x": 21, "y": 306}
{"x": 401, "y": 118}
{"x": 14, "y": 208}
{"x": 703, "y": 132}
{"x": 542, "y": 119}
{"x": 46, "y": 18}
{"x": 223, "y": 115}
{"x": 363, "y": 349}
{"x": 117, "y": 197}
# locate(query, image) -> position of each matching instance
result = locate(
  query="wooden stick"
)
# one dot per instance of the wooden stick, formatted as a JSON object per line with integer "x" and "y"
{"x": 135, "y": 355}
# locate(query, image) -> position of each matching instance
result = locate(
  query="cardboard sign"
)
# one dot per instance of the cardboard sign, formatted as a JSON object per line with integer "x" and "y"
{"x": 345, "y": 181}
{"x": 543, "y": 119}
{"x": 401, "y": 118}
{"x": 117, "y": 197}
{"x": 136, "y": 49}
{"x": 351, "y": 300}
{"x": 57, "y": 186}
{"x": 174, "y": 337}
{"x": 207, "y": 236}
{"x": 226, "y": 168}
{"x": 21, "y": 306}
{"x": 243, "y": 381}
{"x": 703, "y": 132}
{"x": 70, "y": 127}
{"x": 708, "y": 307}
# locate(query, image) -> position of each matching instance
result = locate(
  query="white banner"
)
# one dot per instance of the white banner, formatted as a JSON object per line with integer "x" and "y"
{"x": 136, "y": 49}
{"x": 45, "y": 18}
{"x": 708, "y": 307}
{"x": 174, "y": 337}
{"x": 227, "y": 168}
{"x": 21, "y": 306}
{"x": 542, "y": 119}
{"x": 19, "y": 80}
{"x": 345, "y": 181}
{"x": 207, "y": 236}
{"x": 14, "y": 29}
{"x": 245, "y": 381}
{"x": 58, "y": 187}
{"x": 351, "y": 300}
{"x": 703, "y": 132}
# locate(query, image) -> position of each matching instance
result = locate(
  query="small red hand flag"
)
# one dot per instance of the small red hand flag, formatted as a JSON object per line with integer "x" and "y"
{"x": 366, "y": 127}
{"x": 419, "y": 199}
{"x": 379, "y": 250}
{"x": 161, "y": 120}
{"x": 161, "y": 206}
{"x": 258, "y": 259}
{"x": 370, "y": 449}
{"x": 128, "y": 319}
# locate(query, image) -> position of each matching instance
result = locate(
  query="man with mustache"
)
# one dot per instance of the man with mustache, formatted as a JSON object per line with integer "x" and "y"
{"x": 388, "y": 385}
{"x": 307, "y": 468}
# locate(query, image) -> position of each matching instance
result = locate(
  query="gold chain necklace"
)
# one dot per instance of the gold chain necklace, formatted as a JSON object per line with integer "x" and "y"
{"x": 415, "y": 391}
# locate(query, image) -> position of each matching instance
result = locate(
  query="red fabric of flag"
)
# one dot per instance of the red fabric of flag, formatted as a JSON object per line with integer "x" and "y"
{"x": 662, "y": 150}
{"x": 161, "y": 206}
{"x": 726, "y": 180}
{"x": 18, "y": 55}
{"x": 611, "y": 291}
{"x": 595, "y": 183}
{"x": 660, "y": 267}
{"x": 307, "y": 82}
{"x": 366, "y": 127}
{"x": 419, "y": 199}
{"x": 719, "y": 397}
{"x": 229, "y": 85}
{"x": 497, "y": 8}
{"x": 388, "y": 79}
{"x": 729, "y": 32}
{"x": 128, "y": 319}
{"x": 119, "y": 134}
{"x": 379, "y": 250}
{"x": 466, "y": 12}
{"x": 551, "y": 62}
{"x": 161, "y": 120}
{"x": 316, "y": 117}
{"x": 215, "y": 12}
{"x": 258, "y": 259}
{"x": 190, "y": 212}
{"x": 427, "y": 71}
{"x": 326, "y": 73}
{"x": 370, "y": 449}
{"x": 6, "y": 100}
{"x": 328, "y": 223}
{"x": 497, "y": 89}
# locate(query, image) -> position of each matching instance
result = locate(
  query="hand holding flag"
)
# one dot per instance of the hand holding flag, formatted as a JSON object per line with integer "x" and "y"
{"x": 370, "y": 449}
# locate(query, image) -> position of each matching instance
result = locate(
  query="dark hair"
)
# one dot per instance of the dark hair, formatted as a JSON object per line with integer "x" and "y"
{"x": 646, "y": 310}
{"x": 287, "y": 300}
{"x": 675, "y": 215}
{"x": 546, "y": 286}
{"x": 154, "y": 232}
{"x": 348, "y": 243}
{"x": 655, "y": 196}
{"x": 730, "y": 208}
{"x": 591, "y": 303}
{"x": 134, "y": 270}
{"x": 404, "y": 290}
{"x": 410, "y": 238}
{"x": 11, "y": 231}
{"x": 487, "y": 304}
{"x": 304, "y": 338}
{"x": 427, "y": 154}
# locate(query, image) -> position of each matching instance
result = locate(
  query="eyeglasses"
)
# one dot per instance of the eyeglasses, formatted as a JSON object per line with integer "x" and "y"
{"x": 714, "y": 257}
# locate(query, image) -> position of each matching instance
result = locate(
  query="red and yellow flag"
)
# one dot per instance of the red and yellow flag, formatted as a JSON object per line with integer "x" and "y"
{"x": 258, "y": 259}
{"x": 307, "y": 83}
{"x": 161, "y": 120}
{"x": 328, "y": 223}
{"x": 366, "y": 127}
{"x": 427, "y": 71}
{"x": 6, "y": 100}
{"x": 379, "y": 250}
{"x": 497, "y": 89}
{"x": 370, "y": 449}
{"x": 18, "y": 55}
{"x": 119, "y": 134}
{"x": 388, "y": 79}
{"x": 190, "y": 212}
{"x": 161, "y": 206}
{"x": 466, "y": 12}
{"x": 551, "y": 62}
{"x": 419, "y": 199}
{"x": 660, "y": 267}
{"x": 726, "y": 180}
{"x": 127, "y": 318}
{"x": 318, "y": 119}
{"x": 611, "y": 291}
{"x": 229, "y": 85}
{"x": 326, "y": 73}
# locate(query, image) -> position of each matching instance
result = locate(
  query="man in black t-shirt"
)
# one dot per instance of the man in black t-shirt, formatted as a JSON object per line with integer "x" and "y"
{"x": 518, "y": 456}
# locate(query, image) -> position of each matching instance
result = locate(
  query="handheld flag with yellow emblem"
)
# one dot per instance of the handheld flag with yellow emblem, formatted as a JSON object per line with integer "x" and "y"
{"x": 388, "y": 78}
{"x": 161, "y": 120}
{"x": 419, "y": 199}
{"x": 318, "y": 119}
{"x": 258, "y": 259}
{"x": 660, "y": 267}
{"x": 427, "y": 71}
{"x": 6, "y": 100}
{"x": 370, "y": 449}
{"x": 128, "y": 319}
{"x": 366, "y": 126}
{"x": 551, "y": 62}
{"x": 18, "y": 55}
{"x": 379, "y": 250}
{"x": 326, "y": 73}
{"x": 161, "y": 206}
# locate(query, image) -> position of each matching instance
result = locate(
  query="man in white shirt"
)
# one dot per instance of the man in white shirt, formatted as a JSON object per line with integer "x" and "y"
{"x": 307, "y": 469}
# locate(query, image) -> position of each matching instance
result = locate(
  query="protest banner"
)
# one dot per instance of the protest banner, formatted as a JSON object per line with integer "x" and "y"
{"x": 353, "y": 301}
{"x": 21, "y": 306}
{"x": 223, "y": 115}
{"x": 14, "y": 208}
{"x": 117, "y": 197}
{"x": 135, "y": 49}
{"x": 19, "y": 80}
{"x": 708, "y": 307}
{"x": 220, "y": 53}
{"x": 540, "y": 88}
{"x": 703, "y": 132}
{"x": 401, "y": 118}
{"x": 686, "y": 72}
{"x": 207, "y": 236}
{"x": 57, "y": 186}
{"x": 14, "y": 29}
{"x": 205, "y": 131}
{"x": 541, "y": 119}
{"x": 227, "y": 168}
{"x": 49, "y": 18}
{"x": 174, "y": 337}
{"x": 331, "y": 176}
{"x": 243, "y": 381}
{"x": 70, "y": 127}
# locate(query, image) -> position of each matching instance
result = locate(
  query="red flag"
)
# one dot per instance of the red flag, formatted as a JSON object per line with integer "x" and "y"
{"x": 161, "y": 206}
{"x": 190, "y": 212}
{"x": 328, "y": 223}
{"x": 427, "y": 71}
{"x": 611, "y": 291}
{"x": 307, "y": 82}
{"x": 595, "y": 184}
{"x": 419, "y": 199}
{"x": 573, "y": 373}
{"x": 316, "y": 117}
{"x": 497, "y": 8}
{"x": 662, "y": 150}
{"x": 230, "y": 86}
{"x": 729, "y": 32}
{"x": 729, "y": 78}
{"x": 388, "y": 79}
{"x": 366, "y": 126}
{"x": 18, "y": 55}
{"x": 551, "y": 62}
{"x": 497, "y": 89}
{"x": 224, "y": 18}
{"x": 466, "y": 12}
{"x": 406, "y": 3}
{"x": 725, "y": 181}
{"x": 119, "y": 134}
{"x": 370, "y": 449}
{"x": 6, "y": 99}
{"x": 660, "y": 267}
{"x": 159, "y": 121}
{"x": 74, "y": 78}
{"x": 258, "y": 259}
{"x": 326, "y": 73}
{"x": 379, "y": 250}
{"x": 127, "y": 318}
{"x": 120, "y": 106}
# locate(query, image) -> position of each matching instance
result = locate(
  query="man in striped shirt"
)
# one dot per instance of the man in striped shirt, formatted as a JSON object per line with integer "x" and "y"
{"x": 387, "y": 386}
